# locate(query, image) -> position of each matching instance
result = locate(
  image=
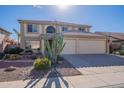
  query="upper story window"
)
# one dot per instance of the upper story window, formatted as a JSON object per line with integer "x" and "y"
{"x": 64, "y": 28}
{"x": 50, "y": 29}
{"x": 81, "y": 29}
{"x": 32, "y": 28}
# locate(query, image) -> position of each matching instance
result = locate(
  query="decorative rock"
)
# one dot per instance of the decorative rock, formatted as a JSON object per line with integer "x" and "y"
{"x": 60, "y": 62}
{"x": 10, "y": 68}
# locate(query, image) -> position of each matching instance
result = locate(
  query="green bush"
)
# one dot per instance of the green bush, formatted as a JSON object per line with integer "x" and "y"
{"x": 15, "y": 50}
{"x": 121, "y": 52}
{"x": 12, "y": 57}
{"x": 116, "y": 52}
{"x": 28, "y": 51}
{"x": 2, "y": 55}
{"x": 42, "y": 63}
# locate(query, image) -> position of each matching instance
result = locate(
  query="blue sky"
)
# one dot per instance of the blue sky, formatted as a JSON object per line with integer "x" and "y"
{"x": 102, "y": 18}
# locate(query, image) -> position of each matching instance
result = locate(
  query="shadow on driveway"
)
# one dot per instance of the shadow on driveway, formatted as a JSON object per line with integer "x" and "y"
{"x": 49, "y": 81}
{"x": 34, "y": 77}
{"x": 51, "y": 76}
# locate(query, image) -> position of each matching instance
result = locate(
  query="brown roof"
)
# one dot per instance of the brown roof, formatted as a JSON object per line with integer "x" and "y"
{"x": 5, "y": 30}
{"x": 53, "y": 22}
{"x": 84, "y": 34}
{"x": 119, "y": 36}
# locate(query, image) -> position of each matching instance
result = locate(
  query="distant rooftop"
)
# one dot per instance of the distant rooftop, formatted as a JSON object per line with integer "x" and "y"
{"x": 115, "y": 35}
{"x": 53, "y": 22}
{"x": 2, "y": 29}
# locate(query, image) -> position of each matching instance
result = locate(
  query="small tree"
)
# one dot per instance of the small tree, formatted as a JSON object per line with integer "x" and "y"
{"x": 18, "y": 35}
{"x": 55, "y": 48}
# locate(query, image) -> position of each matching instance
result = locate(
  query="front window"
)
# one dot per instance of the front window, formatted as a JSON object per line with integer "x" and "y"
{"x": 50, "y": 29}
{"x": 64, "y": 28}
{"x": 32, "y": 28}
{"x": 32, "y": 44}
{"x": 81, "y": 29}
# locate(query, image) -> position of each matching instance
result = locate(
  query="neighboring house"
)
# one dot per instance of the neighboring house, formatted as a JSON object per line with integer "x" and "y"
{"x": 116, "y": 40}
{"x": 4, "y": 36}
{"x": 78, "y": 38}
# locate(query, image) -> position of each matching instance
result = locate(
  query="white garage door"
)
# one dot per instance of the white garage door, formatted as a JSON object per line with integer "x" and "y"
{"x": 69, "y": 47}
{"x": 84, "y": 47}
{"x": 91, "y": 47}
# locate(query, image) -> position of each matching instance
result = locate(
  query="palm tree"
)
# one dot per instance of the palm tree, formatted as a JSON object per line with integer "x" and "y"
{"x": 18, "y": 34}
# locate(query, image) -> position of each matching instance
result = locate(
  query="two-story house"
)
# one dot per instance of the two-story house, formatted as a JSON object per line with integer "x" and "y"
{"x": 4, "y": 35}
{"x": 78, "y": 38}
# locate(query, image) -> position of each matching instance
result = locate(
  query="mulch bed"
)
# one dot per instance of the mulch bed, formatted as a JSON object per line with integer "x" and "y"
{"x": 24, "y": 70}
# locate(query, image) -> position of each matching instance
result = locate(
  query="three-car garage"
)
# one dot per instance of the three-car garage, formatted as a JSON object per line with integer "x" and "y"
{"x": 84, "y": 43}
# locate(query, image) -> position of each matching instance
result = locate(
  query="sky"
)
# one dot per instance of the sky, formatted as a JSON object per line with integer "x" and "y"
{"x": 101, "y": 18}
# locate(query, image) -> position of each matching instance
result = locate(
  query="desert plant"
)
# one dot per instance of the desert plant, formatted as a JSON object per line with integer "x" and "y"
{"x": 42, "y": 63}
{"x": 55, "y": 48}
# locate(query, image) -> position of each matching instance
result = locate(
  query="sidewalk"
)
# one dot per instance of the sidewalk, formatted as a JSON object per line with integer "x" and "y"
{"x": 93, "y": 79}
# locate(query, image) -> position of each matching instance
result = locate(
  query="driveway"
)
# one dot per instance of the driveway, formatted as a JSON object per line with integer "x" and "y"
{"x": 94, "y": 60}
{"x": 103, "y": 70}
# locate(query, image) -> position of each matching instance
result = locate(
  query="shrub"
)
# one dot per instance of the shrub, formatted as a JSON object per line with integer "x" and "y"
{"x": 116, "y": 52}
{"x": 2, "y": 55}
{"x": 15, "y": 50}
{"x": 6, "y": 56}
{"x": 28, "y": 51}
{"x": 12, "y": 57}
{"x": 42, "y": 63}
{"x": 121, "y": 52}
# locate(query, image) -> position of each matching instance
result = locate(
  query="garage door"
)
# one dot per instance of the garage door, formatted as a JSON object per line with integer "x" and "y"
{"x": 84, "y": 47}
{"x": 69, "y": 47}
{"x": 91, "y": 47}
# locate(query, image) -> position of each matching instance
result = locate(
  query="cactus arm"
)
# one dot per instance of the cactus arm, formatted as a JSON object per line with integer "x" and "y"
{"x": 60, "y": 50}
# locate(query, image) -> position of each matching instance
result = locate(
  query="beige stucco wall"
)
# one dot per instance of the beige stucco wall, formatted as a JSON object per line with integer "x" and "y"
{"x": 34, "y": 36}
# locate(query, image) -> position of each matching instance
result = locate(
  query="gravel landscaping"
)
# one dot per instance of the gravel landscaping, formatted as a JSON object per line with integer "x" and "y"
{"x": 24, "y": 70}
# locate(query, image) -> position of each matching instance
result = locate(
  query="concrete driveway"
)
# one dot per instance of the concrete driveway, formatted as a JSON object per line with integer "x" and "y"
{"x": 103, "y": 70}
{"x": 94, "y": 60}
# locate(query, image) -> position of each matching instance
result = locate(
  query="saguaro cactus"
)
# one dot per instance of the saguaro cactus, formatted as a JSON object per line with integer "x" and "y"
{"x": 55, "y": 48}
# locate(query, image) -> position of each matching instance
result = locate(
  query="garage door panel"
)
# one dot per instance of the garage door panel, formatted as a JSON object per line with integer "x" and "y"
{"x": 74, "y": 46}
{"x": 92, "y": 47}
{"x": 69, "y": 47}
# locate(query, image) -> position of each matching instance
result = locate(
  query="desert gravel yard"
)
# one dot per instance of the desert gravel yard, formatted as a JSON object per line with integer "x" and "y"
{"x": 24, "y": 70}
{"x": 77, "y": 71}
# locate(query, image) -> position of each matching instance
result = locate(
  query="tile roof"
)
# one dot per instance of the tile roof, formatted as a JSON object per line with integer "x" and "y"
{"x": 54, "y": 22}
{"x": 5, "y": 30}
{"x": 82, "y": 34}
{"x": 115, "y": 35}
